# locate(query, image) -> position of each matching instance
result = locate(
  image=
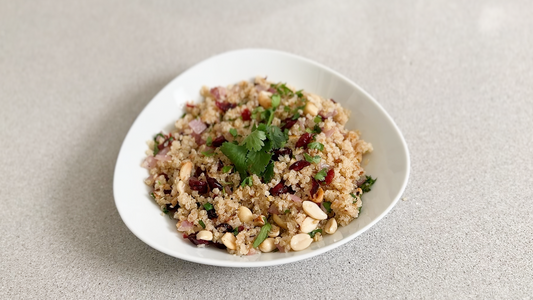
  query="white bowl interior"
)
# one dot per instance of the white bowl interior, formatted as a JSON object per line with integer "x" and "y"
{"x": 389, "y": 162}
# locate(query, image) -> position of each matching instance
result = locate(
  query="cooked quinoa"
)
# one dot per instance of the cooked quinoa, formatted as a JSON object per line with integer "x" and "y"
{"x": 259, "y": 167}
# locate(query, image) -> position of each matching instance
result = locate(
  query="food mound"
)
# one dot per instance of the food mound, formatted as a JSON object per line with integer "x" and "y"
{"x": 259, "y": 167}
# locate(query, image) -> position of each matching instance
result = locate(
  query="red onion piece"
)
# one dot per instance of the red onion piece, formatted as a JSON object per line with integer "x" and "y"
{"x": 198, "y": 139}
{"x": 185, "y": 226}
{"x": 273, "y": 210}
{"x": 295, "y": 198}
{"x": 197, "y": 126}
{"x": 149, "y": 162}
{"x": 330, "y": 132}
{"x": 328, "y": 115}
{"x": 218, "y": 92}
{"x": 280, "y": 248}
{"x": 260, "y": 88}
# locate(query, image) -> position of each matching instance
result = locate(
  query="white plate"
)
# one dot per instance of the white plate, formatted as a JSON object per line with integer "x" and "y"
{"x": 389, "y": 162}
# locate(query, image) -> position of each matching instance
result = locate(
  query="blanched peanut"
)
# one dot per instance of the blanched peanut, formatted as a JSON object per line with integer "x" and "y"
{"x": 267, "y": 245}
{"x": 264, "y": 99}
{"x": 274, "y": 231}
{"x": 311, "y": 109}
{"x": 308, "y": 225}
{"x": 331, "y": 226}
{"x": 279, "y": 221}
{"x": 314, "y": 211}
{"x": 205, "y": 235}
{"x": 259, "y": 221}
{"x": 300, "y": 241}
{"x": 185, "y": 171}
{"x": 245, "y": 215}
{"x": 181, "y": 187}
{"x": 319, "y": 196}
{"x": 228, "y": 240}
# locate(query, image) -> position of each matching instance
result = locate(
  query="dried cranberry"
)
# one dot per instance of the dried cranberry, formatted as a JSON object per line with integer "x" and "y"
{"x": 167, "y": 192}
{"x": 198, "y": 172}
{"x": 329, "y": 176}
{"x": 165, "y": 143}
{"x": 288, "y": 123}
{"x": 224, "y": 227}
{"x": 246, "y": 114}
{"x": 212, "y": 214}
{"x": 241, "y": 228}
{"x": 220, "y": 165}
{"x": 224, "y": 105}
{"x": 314, "y": 187}
{"x": 217, "y": 142}
{"x": 281, "y": 152}
{"x": 164, "y": 175}
{"x": 218, "y": 245}
{"x": 304, "y": 140}
{"x": 198, "y": 185}
{"x": 194, "y": 240}
{"x": 333, "y": 101}
{"x": 297, "y": 166}
{"x": 190, "y": 105}
{"x": 280, "y": 188}
{"x": 213, "y": 183}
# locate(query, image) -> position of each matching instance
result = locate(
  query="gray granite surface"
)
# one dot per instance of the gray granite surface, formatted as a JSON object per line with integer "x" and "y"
{"x": 456, "y": 76}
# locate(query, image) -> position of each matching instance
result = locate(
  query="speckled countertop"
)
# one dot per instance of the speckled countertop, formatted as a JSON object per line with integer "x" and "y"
{"x": 456, "y": 76}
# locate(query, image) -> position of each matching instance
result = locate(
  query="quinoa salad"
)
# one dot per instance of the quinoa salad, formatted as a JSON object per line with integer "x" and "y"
{"x": 258, "y": 167}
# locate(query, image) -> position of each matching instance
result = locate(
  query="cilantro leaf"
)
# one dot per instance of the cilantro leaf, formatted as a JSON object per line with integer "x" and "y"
{"x": 286, "y": 109}
{"x": 311, "y": 159}
{"x": 276, "y": 100}
{"x": 312, "y": 233}
{"x": 258, "y": 161}
{"x": 316, "y": 145}
{"x": 367, "y": 185}
{"x": 317, "y": 129}
{"x": 277, "y": 137}
{"x": 320, "y": 176}
{"x": 317, "y": 119}
{"x": 247, "y": 181}
{"x": 351, "y": 194}
{"x": 269, "y": 173}
{"x": 226, "y": 169}
{"x": 201, "y": 223}
{"x": 208, "y": 154}
{"x": 209, "y": 141}
{"x": 208, "y": 206}
{"x": 327, "y": 206}
{"x": 254, "y": 141}
{"x": 262, "y": 234}
{"x": 237, "y": 155}
{"x": 233, "y": 132}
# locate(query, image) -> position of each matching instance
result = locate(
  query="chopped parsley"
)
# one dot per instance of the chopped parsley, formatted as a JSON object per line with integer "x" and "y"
{"x": 311, "y": 159}
{"x": 351, "y": 194}
{"x": 201, "y": 223}
{"x": 226, "y": 169}
{"x": 208, "y": 206}
{"x": 367, "y": 185}
{"x": 327, "y": 206}
{"x": 262, "y": 234}
{"x": 321, "y": 176}
{"x": 152, "y": 195}
{"x": 286, "y": 109}
{"x": 317, "y": 119}
{"x": 287, "y": 211}
{"x": 236, "y": 231}
{"x": 312, "y": 233}
{"x": 209, "y": 141}
{"x": 316, "y": 145}
{"x": 165, "y": 210}
{"x": 182, "y": 116}
{"x": 233, "y": 132}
